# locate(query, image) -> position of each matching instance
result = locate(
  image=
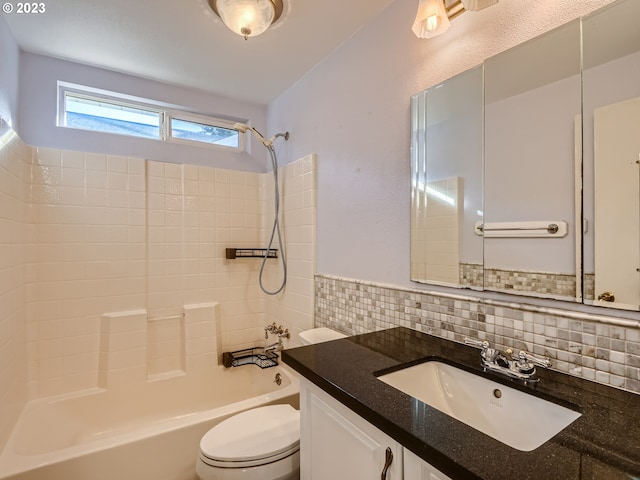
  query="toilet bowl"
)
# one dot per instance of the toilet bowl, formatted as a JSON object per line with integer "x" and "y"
{"x": 319, "y": 335}
{"x": 259, "y": 444}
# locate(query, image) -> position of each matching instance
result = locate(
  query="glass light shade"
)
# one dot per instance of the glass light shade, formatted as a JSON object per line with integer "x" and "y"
{"x": 477, "y": 4}
{"x": 431, "y": 19}
{"x": 246, "y": 17}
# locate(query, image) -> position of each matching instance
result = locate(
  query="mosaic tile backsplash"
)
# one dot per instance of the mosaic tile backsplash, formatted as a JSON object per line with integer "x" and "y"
{"x": 607, "y": 353}
{"x": 545, "y": 284}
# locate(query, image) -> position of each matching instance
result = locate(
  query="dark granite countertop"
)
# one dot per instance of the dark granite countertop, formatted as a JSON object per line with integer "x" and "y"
{"x": 603, "y": 444}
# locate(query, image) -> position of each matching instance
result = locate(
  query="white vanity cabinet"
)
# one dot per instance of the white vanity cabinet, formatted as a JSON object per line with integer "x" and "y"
{"x": 417, "y": 469}
{"x": 336, "y": 443}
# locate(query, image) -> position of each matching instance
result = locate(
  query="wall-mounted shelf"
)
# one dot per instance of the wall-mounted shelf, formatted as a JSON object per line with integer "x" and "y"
{"x": 233, "y": 253}
{"x": 250, "y": 356}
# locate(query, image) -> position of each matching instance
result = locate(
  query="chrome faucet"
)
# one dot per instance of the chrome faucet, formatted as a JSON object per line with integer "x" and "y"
{"x": 521, "y": 366}
{"x": 276, "y": 330}
{"x": 274, "y": 347}
{"x": 280, "y": 332}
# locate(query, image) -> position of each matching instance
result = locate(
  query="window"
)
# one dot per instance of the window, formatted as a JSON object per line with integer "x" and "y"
{"x": 198, "y": 131}
{"x": 90, "y": 109}
{"x": 89, "y": 113}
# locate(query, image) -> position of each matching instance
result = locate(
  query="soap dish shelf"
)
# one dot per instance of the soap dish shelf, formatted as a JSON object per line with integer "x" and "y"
{"x": 249, "y": 356}
{"x": 233, "y": 253}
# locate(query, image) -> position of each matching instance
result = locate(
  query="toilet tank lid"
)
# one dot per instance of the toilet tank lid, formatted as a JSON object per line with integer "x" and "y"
{"x": 254, "y": 434}
{"x": 320, "y": 334}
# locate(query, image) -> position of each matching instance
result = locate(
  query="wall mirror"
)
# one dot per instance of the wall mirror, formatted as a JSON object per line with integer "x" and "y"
{"x": 611, "y": 106}
{"x": 532, "y": 145}
{"x": 541, "y": 177}
{"x": 446, "y": 183}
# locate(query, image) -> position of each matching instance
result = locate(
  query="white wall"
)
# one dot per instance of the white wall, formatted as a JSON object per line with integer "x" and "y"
{"x": 9, "y": 60}
{"x": 353, "y": 111}
{"x": 528, "y": 177}
{"x": 38, "y": 105}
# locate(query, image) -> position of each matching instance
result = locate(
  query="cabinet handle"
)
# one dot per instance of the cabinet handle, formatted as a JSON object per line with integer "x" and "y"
{"x": 387, "y": 463}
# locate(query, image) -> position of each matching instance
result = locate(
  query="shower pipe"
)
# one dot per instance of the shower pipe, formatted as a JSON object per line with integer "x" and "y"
{"x": 275, "y": 231}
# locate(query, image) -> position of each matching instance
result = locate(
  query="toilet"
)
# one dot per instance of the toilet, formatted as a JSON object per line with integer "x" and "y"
{"x": 319, "y": 335}
{"x": 259, "y": 444}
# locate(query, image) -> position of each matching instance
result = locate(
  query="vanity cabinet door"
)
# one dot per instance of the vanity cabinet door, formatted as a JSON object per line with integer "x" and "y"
{"x": 335, "y": 443}
{"x": 417, "y": 469}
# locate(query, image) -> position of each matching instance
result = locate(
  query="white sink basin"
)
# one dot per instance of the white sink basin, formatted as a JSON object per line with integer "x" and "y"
{"x": 515, "y": 418}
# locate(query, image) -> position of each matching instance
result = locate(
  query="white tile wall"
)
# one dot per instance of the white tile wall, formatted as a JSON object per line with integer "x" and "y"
{"x": 293, "y": 308}
{"x": 91, "y": 259}
{"x": 237, "y": 213}
{"x": 202, "y": 336}
{"x": 16, "y": 236}
{"x": 135, "y": 347}
{"x": 435, "y": 236}
{"x": 121, "y": 234}
{"x": 123, "y": 348}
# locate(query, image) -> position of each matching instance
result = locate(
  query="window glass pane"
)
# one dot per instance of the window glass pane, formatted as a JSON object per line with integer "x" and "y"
{"x": 201, "y": 132}
{"x": 108, "y": 117}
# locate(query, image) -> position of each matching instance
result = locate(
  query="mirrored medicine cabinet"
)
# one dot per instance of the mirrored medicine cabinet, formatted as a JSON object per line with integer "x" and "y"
{"x": 525, "y": 170}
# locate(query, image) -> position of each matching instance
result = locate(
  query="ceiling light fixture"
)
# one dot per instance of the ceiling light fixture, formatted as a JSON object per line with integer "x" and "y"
{"x": 433, "y": 17}
{"x": 247, "y": 18}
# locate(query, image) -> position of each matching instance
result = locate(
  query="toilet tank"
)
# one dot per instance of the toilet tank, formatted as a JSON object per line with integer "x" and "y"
{"x": 318, "y": 335}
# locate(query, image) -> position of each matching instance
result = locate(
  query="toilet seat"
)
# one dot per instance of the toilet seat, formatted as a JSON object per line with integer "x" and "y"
{"x": 255, "y": 437}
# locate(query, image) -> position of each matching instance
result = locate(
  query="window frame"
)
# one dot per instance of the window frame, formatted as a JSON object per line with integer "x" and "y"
{"x": 172, "y": 114}
{"x": 62, "y": 111}
{"x": 166, "y": 113}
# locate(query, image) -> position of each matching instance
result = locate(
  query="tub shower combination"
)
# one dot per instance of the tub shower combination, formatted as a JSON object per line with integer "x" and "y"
{"x": 145, "y": 419}
{"x": 150, "y": 432}
{"x": 147, "y": 430}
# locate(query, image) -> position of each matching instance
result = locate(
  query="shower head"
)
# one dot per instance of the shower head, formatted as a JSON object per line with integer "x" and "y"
{"x": 243, "y": 127}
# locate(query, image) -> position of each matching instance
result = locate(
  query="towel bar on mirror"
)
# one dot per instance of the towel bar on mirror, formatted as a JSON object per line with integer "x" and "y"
{"x": 552, "y": 229}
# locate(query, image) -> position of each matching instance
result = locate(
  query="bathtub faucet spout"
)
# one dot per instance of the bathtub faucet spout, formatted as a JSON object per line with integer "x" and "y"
{"x": 274, "y": 347}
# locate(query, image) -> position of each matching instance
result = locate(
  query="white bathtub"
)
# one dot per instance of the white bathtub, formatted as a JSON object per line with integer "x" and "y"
{"x": 146, "y": 432}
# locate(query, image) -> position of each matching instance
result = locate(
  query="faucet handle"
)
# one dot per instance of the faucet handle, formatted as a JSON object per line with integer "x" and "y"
{"x": 272, "y": 328}
{"x": 539, "y": 361}
{"x": 476, "y": 343}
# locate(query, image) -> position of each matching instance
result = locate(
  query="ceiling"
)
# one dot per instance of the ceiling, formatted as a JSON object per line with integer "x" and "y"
{"x": 184, "y": 43}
